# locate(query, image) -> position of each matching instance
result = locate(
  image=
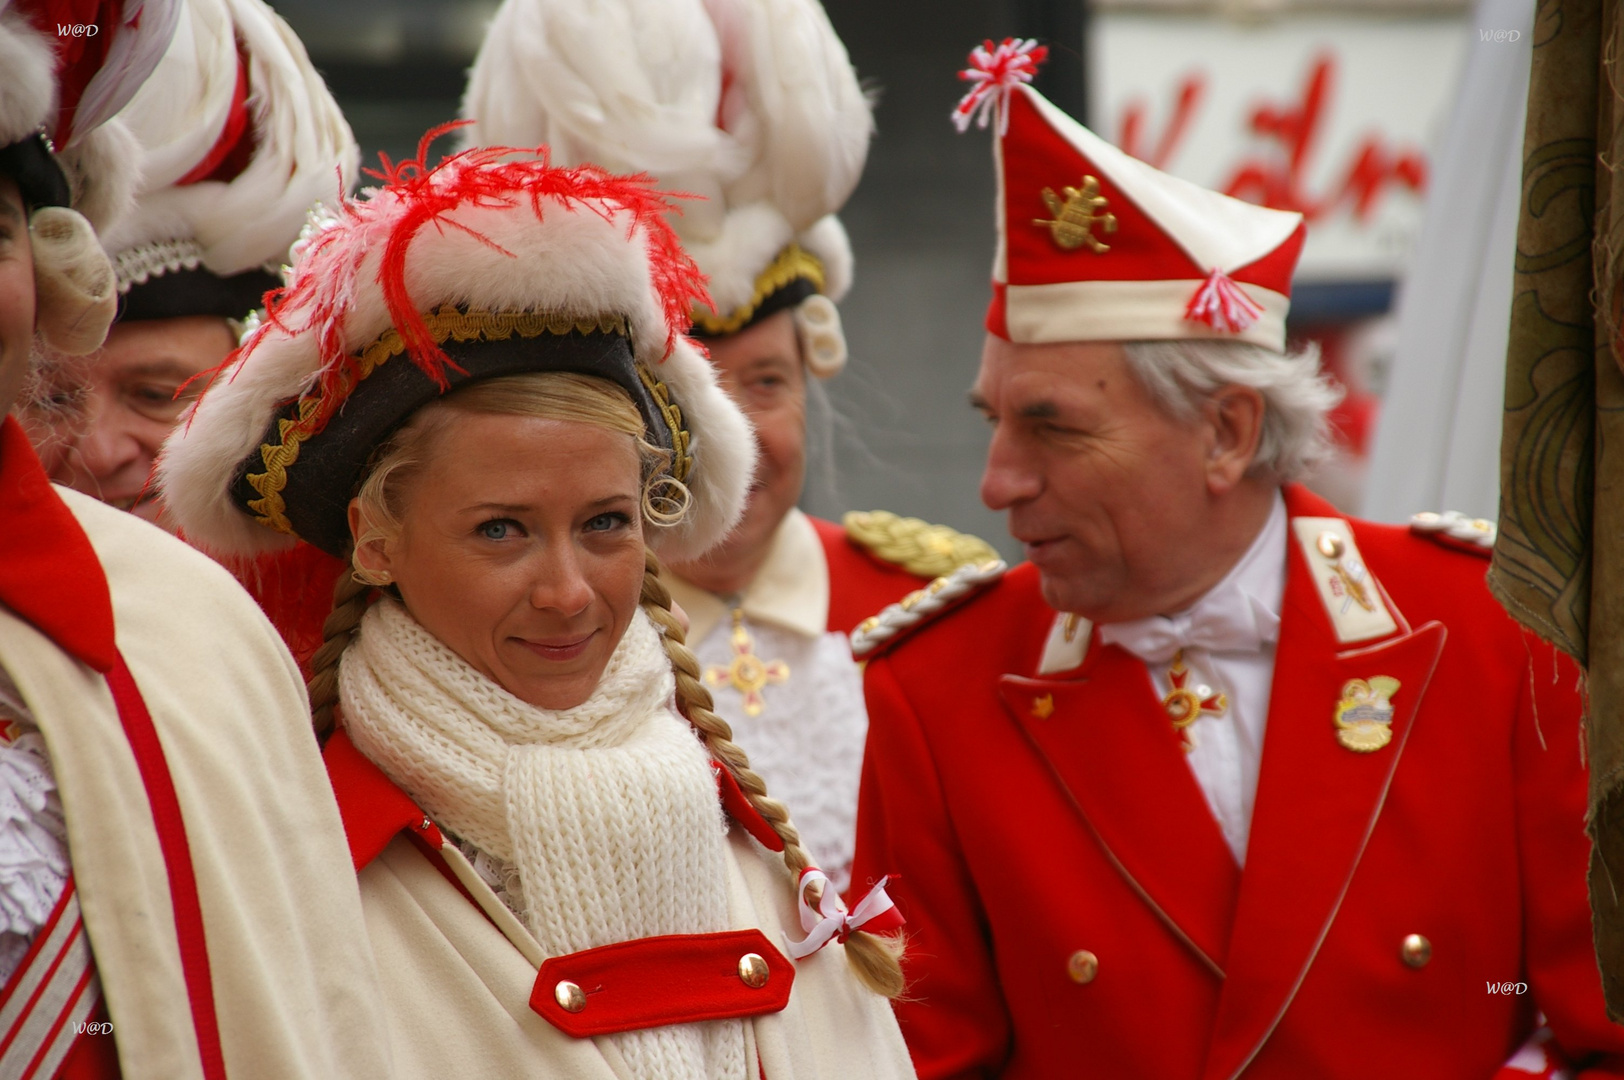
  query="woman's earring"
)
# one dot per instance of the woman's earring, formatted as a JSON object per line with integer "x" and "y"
{"x": 375, "y": 578}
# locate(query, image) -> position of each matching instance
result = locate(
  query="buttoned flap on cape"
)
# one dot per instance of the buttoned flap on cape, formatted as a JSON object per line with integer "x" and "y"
{"x": 294, "y": 984}
{"x": 440, "y": 957}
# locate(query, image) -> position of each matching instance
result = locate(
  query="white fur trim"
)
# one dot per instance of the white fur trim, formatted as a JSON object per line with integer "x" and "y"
{"x": 1130, "y": 311}
{"x": 750, "y": 238}
{"x": 304, "y": 151}
{"x": 828, "y": 241}
{"x": 574, "y": 261}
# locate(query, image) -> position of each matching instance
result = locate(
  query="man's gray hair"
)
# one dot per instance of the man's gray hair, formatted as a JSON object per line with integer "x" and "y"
{"x": 1296, "y": 437}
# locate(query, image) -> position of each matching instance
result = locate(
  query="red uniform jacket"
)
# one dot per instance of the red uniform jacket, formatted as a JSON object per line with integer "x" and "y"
{"x": 1031, "y": 818}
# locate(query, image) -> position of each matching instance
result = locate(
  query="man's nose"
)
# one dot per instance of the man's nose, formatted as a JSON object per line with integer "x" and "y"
{"x": 1009, "y": 477}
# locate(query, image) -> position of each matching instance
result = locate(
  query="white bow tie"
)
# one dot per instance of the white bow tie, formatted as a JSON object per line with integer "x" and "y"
{"x": 1227, "y": 621}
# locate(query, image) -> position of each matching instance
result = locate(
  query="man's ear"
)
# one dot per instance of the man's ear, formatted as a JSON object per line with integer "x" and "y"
{"x": 371, "y": 556}
{"x": 1234, "y": 418}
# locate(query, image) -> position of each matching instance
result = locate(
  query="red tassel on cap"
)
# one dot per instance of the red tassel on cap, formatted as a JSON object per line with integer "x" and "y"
{"x": 996, "y": 70}
{"x": 1221, "y": 304}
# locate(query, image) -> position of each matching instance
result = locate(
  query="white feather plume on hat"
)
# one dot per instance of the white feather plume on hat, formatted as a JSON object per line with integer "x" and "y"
{"x": 96, "y": 152}
{"x": 303, "y": 150}
{"x": 751, "y": 104}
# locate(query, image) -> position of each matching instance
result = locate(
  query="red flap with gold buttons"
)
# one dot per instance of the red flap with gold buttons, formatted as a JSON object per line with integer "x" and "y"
{"x": 650, "y": 982}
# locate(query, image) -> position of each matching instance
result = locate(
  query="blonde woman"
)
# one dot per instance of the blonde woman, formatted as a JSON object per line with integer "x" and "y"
{"x": 476, "y": 389}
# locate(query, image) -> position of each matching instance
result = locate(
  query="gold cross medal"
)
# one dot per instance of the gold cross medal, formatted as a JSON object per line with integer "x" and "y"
{"x": 748, "y": 673}
{"x": 1364, "y": 716}
{"x": 1186, "y": 704}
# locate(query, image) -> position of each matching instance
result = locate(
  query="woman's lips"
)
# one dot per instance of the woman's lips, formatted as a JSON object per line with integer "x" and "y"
{"x": 559, "y": 649}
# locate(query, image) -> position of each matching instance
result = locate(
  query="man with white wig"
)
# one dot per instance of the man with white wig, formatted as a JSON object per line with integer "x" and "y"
{"x": 238, "y": 138}
{"x": 1221, "y": 783}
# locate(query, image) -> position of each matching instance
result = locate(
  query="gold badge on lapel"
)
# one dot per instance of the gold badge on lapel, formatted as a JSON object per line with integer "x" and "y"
{"x": 1364, "y": 716}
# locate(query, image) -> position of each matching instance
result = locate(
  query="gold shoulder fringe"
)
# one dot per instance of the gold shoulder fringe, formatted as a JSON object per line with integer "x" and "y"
{"x": 917, "y": 546}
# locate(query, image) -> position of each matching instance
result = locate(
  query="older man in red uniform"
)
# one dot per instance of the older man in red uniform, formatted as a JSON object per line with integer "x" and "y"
{"x": 1220, "y": 783}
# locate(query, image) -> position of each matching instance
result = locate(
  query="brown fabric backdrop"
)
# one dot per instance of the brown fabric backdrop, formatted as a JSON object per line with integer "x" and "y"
{"x": 1559, "y": 563}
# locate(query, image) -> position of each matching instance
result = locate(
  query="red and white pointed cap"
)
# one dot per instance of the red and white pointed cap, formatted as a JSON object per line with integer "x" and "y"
{"x": 1094, "y": 245}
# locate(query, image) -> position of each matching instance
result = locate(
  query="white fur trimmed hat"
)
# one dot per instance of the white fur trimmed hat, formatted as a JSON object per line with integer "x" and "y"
{"x": 239, "y": 137}
{"x": 491, "y": 263}
{"x": 1094, "y": 245}
{"x": 750, "y": 104}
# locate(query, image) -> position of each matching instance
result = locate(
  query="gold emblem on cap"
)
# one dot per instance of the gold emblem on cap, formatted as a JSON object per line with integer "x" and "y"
{"x": 1043, "y": 707}
{"x": 1074, "y": 218}
{"x": 1364, "y": 716}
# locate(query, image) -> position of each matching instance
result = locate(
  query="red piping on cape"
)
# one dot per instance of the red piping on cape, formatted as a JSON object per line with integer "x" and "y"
{"x": 177, "y": 852}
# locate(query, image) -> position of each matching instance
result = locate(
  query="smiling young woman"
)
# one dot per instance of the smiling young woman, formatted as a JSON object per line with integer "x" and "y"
{"x": 497, "y": 424}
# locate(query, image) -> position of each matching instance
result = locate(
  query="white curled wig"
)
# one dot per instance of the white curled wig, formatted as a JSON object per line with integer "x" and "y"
{"x": 1180, "y": 375}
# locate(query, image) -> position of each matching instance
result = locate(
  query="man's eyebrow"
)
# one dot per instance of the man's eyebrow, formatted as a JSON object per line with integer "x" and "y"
{"x": 979, "y": 403}
{"x": 11, "y": 210}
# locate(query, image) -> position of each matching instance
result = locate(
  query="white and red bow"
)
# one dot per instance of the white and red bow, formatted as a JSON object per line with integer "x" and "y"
{"x": 830, "y": 921}
{"x": 994, "y": 71}
{"x": 1222, "y": 305}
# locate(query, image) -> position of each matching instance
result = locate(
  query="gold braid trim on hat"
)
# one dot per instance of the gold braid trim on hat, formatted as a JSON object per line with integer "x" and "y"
{"x": 790, "y": 264}
{"x": 448, "y": 322}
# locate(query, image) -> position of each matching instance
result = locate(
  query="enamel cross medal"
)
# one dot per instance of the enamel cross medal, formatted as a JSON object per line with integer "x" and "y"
{"x": 1185, "y": 704}
{"x": 748, "y": 673}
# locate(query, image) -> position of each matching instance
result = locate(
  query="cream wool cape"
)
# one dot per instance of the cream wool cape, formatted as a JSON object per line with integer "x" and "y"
{"x": 526, "y": 785}
{"x": 295, "y": 987}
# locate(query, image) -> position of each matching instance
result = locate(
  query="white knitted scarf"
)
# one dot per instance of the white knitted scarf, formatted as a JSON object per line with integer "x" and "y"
{"x": 607, "y": 811}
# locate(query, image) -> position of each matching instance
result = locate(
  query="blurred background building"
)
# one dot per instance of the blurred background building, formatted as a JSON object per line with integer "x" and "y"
{"x": 1337, "y": 109}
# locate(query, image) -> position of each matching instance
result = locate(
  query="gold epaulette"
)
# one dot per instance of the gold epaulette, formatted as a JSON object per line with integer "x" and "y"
{"x": 917, "y": 546}
{"x": 1454, "y": 529}
{"x": 919, "y": 606}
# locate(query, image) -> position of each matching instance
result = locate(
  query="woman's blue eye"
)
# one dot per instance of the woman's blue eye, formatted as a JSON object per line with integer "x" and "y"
{"x": 605, "y": 522}
{"x": 498, "y": 529}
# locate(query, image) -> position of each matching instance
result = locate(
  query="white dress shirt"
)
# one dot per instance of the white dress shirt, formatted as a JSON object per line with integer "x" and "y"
{"x": 1228, "y": 642}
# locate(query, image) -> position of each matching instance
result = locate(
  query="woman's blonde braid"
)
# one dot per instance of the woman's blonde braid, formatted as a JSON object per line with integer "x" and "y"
{"x": 349, "y": 604}
{"x": 875, "y": 960}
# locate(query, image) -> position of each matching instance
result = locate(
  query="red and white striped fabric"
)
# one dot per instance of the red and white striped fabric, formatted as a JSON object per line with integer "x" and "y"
{"x": 49, "y": 996}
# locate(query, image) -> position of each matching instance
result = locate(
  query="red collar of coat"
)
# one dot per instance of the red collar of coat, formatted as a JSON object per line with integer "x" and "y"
{"x": 49, "y": 574}
{"x": 374, "y": 810}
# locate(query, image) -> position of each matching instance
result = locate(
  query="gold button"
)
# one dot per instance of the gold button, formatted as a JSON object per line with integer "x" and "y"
{"x": 1416, "y": 950}
{"x": 1083, "y": 966}
{"x": 753, "y": 970}
{"x": 570, "y": 998}
{"x": 1329, "y": 545}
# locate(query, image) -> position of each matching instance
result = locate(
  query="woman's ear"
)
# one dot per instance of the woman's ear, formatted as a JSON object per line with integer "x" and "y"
{"x": 1235, "y": 419}
{"x": 371, "y": 551}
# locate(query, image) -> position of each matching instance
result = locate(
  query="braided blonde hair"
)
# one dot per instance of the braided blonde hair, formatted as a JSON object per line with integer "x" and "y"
{"x": 551, "y": 395}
